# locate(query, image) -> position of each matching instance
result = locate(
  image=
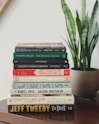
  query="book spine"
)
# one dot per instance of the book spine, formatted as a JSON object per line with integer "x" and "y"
{"x": 40, "y": 100}
{"x": 28, "y": 92}
{"x": 40, "y": 72}
{"x": 41, "y": 108}
{"x": 39, "y": 55}
{"x": 41, "y": 66}
{"x": 40, "y": 61}
{"x": 45, "y": 85}
{"x": 41, "y": 78}
{"x": 31, "y": 49}
{"x": 41, "y": 45}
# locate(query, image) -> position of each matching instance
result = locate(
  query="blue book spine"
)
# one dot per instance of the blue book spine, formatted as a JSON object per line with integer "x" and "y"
{"x": 40, "y": 85}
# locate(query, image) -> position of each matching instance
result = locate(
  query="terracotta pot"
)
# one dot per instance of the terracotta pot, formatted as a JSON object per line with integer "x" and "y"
{"x": 84, "y": 83}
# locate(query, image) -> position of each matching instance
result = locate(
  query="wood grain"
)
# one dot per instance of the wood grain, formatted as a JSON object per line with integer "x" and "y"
{"x": 86, "y": 111}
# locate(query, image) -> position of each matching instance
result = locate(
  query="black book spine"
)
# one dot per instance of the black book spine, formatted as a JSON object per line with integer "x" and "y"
{"x": 30, "y": 49}
{"x": 39, "y": 108}
{"x": 42, "y": 61}
{"x": 41, "y": 66}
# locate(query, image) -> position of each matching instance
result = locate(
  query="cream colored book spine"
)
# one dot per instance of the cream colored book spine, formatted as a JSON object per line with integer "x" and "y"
{"x": 41, "y": 45}
{"x": 41, "y": 78}
{"x": 41, "y": 91}
{"x": 61, "y": 99}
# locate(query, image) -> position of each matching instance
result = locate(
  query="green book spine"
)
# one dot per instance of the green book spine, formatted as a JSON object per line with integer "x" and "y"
{"x": 39, "y": 55}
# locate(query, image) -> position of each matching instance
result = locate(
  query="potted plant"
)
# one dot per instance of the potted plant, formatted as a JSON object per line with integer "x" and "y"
{"x": 82, "y": 37}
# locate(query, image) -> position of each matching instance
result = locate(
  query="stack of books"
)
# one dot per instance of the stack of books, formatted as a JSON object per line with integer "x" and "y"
{"x": 41, "y": 79}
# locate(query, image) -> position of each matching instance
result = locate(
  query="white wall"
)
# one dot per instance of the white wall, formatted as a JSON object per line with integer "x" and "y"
{"x": 31, "y": 21}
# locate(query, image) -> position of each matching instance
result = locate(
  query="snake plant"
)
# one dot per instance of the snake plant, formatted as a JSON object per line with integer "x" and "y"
{"x": 82, "y": 34}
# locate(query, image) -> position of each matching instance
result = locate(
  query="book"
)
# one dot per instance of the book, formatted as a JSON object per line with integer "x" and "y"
{"x": 40, "y": 61}
{"x": 41, "y": 66}
{"x": 42, "y": 45}
{"x": 41, "y": 108}
{"x": 39, "y": 55}
{"x": 40, "y": 85}
{"x": 28, "y": 92}
{"x": 41, "y": 99}
{"x": 41, "y": 78}
{"x": 31, "y": 49}
{"x": 40, "y": 72}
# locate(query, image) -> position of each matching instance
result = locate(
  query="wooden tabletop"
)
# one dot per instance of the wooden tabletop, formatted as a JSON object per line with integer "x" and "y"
{"x": 86, "y": 111}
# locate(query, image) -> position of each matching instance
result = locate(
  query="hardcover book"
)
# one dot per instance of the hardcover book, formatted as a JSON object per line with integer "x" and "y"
{"x": 40, "y": 55}
{"x": 28, "y": 109}
{"x": 41, "y": 66}
{"x": 41, "y": 72}
{"x": 40, "y": 85}
{"x": 42, "y": 45}
{"x": 48, "y": 49}
{"x": 41, "y": 78}
{"x": 50, "y": 91}
{"x": 41, "y": 99}
{"x": 40, "y": 61}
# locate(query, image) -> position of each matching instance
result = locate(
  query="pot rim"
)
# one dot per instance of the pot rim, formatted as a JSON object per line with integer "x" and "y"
{"x": 92, "y": 69}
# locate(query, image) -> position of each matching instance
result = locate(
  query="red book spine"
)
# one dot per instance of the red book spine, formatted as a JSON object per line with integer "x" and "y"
{"x": 40, "y": 72}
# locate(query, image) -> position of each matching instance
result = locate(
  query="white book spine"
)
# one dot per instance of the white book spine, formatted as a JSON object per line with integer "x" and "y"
{"x": 41, "y": 100}
{"x": 41, "y": 45}
{"x": 41, "y": 91}
{"x": 41, "y": 78}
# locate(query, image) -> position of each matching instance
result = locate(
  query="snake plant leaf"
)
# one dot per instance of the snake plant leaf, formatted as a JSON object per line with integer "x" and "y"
{"x": 79, "y": 24}
{"x": 93, "y": 19}
{"x": 83, "y": 10}
{"x": 84, "y": 36}
{"x": 69, "y": 44}
{"x": 81, "y": 45}
{"x": 94, "y": 39}
{"x": 70, "y": 21}
{"x": 73, "y": 53}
